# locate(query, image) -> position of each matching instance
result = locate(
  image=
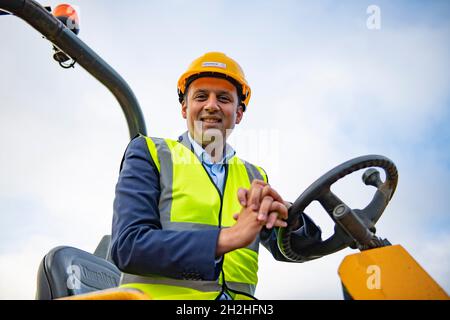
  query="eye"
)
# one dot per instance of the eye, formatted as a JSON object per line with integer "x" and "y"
{"x": 224, "y": 99}
{"x": 200, "y": 97}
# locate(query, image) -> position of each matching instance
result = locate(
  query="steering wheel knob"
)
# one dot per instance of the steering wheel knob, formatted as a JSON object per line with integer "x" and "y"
{"x": 371, "y": 177}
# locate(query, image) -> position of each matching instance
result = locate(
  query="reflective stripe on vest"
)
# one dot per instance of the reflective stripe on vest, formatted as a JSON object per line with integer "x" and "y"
{"x": 189, "y": 200}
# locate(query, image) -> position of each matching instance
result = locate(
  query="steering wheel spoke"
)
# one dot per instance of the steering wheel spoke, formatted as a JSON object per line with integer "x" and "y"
{"x": 328, "y": 200}
{"x": 372, "y": 212}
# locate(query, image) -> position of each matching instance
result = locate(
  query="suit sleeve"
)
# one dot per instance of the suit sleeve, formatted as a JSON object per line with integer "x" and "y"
{"x": 139, "y": 244}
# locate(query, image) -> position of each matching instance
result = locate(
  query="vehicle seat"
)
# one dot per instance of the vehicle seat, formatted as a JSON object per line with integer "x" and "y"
{"x": 103, "y": 249}
{"x": 67, "y": 271}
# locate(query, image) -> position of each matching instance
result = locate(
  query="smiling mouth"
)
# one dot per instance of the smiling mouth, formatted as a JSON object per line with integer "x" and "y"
{"x": 211, "y": 120}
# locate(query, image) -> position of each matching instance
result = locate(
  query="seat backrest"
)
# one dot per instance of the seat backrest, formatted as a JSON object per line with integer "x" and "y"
{"x": 104, "y": 248}
{"x": 67, "y": 271}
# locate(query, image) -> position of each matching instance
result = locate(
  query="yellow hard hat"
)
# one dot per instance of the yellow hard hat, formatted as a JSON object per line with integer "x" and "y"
{"x": 218, "y": 65}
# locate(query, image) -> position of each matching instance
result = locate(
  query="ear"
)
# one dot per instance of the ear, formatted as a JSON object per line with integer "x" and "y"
{"x": 239, "y": 114}
{"x": 184, "y": 109}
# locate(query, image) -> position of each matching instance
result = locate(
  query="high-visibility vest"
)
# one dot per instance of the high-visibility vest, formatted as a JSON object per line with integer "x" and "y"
{"x": 189, "y": 200}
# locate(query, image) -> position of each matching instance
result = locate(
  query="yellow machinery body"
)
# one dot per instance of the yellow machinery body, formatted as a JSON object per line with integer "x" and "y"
{"x": 387, "y": 273}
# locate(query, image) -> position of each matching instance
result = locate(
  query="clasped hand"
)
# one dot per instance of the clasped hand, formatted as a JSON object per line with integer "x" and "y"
{"x": 261, "y": 206}
{"x": 262, "y": 198}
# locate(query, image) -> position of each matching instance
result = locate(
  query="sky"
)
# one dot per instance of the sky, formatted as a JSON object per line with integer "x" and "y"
{"x": 328, "y": 82}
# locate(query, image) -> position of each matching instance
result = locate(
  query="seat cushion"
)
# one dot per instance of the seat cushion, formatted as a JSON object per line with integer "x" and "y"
{"x": 67, "y": 271}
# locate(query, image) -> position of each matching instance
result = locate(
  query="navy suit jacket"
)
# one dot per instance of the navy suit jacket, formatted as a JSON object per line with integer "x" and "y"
{"x": 140, "y": 246}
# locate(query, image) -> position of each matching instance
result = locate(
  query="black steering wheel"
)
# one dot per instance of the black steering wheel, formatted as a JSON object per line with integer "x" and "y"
{"x": 354, "y": 228}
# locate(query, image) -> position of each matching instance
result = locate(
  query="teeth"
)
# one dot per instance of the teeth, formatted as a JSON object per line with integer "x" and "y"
{"x": 211, "y": 120}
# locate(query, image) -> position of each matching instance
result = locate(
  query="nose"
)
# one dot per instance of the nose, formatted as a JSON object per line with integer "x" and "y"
{"x": 212, "y": 104}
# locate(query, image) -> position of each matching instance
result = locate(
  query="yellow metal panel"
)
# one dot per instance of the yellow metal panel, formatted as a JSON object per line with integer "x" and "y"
{"x": 388, "y": 273}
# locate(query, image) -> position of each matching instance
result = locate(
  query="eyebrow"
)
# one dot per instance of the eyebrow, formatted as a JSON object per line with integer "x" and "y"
{"x": 217, "y": 92}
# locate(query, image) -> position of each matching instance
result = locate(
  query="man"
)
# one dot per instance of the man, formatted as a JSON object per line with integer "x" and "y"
{"x": 188, "y": 213}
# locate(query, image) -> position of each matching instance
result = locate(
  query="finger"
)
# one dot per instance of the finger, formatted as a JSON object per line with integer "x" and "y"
{"x": 242, "y": 196}
{"x": 271, "y": 219}
{"x": 280, "y": 208}
{"x": 255, "y": 195}
{"x": 264, "y": 208}
{"x": 274, "y": 221}
{"x": 257, "y": 182}
{"x": 269, "y": 191}
{"x": 280, "y": 223}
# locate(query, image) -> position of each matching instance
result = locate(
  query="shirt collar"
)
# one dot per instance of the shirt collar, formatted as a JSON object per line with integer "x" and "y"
{"x": 205, "y": 157}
